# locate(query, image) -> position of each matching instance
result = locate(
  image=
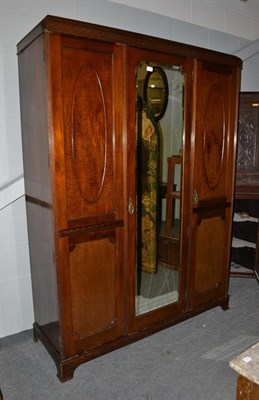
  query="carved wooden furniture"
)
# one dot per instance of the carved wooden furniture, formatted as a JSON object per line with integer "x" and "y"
{"x": 78, "y": 110}
{"x": 246, "y": 252}
{"x": 247, "y": 366}
{"x": 247, "y": 175}
{"x": 246, "y": 389}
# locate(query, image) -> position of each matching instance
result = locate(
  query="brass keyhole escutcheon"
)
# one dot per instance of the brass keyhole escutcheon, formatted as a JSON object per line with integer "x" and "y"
{"x": 195, "y": 197}
{"x": 130, "y": 206}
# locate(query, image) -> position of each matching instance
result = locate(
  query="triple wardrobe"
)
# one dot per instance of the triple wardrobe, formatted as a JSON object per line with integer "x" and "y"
{"x": 129, "y": 146}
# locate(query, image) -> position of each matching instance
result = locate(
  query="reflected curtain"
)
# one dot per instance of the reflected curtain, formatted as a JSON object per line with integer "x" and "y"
{"x": 148, "y": 152}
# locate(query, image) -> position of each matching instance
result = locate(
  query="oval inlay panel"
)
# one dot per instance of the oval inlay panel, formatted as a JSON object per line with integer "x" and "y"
{"x": 213, "y": 136}
{"x": 89, "y": 134}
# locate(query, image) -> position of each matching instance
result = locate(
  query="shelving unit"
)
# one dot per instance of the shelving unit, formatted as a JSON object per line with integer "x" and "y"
{"x": 245, "y": 243}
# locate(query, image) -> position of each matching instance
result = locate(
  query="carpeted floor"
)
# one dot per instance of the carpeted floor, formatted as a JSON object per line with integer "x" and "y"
{"x": 189, "y": 361}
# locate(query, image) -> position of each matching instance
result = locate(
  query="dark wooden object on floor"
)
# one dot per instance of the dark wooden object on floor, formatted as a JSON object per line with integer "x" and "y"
{"x": 247, "y": 366}
{"x": 246, "y": 390}
{"x": 78, "y": 105}
{"x": 247, "y": 164}
{"x": 247, "y": 173}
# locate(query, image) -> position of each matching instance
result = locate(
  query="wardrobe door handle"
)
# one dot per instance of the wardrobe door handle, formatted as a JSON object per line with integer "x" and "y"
{"x": 130, "y": 206}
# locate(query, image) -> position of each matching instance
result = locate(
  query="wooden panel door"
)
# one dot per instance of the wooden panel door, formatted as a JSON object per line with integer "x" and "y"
{"x": 90, "y": 233}
{"x": 214, "y": 122}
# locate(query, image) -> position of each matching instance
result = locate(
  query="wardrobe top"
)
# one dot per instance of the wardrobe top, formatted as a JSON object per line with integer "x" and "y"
{"x": 53, "y": 24}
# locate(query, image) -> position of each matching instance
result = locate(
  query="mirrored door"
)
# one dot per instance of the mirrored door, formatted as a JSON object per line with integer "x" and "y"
{"x": 158, "y": 173}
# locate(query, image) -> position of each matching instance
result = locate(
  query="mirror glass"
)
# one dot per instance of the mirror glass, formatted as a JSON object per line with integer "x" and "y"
{"x": 159, "y": 140}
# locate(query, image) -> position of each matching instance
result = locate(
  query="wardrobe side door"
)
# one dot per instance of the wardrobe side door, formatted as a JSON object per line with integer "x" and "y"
{"x": 214, "y": 122}
{"x": 93, "y": 280}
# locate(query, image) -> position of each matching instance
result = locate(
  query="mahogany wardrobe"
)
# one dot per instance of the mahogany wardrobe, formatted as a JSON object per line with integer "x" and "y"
{"x": 129, "y": 146}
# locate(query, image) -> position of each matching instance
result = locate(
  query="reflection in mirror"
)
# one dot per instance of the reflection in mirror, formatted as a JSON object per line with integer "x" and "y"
{"x": 158, "y": 188}
{"x": 155, "y": 91}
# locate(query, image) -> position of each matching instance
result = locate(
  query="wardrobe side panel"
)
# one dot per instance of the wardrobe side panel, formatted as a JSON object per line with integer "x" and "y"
{"x": 35, "y": 143}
